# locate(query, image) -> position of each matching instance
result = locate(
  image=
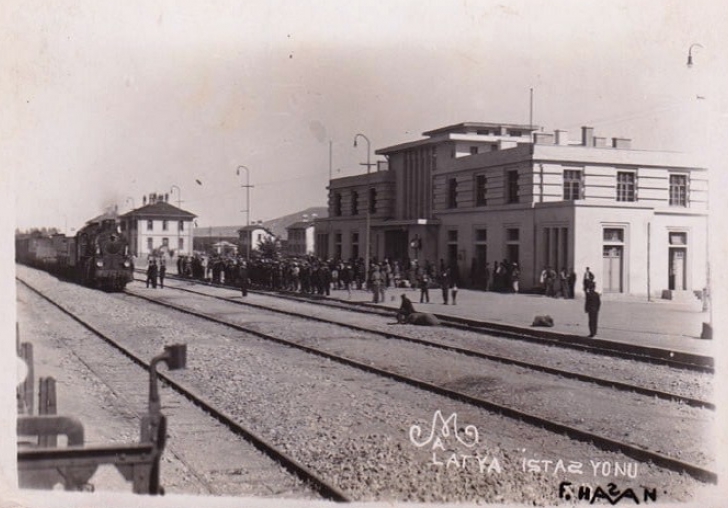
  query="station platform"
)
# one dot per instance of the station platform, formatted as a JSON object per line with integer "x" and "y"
{"x": 624, "y": 319}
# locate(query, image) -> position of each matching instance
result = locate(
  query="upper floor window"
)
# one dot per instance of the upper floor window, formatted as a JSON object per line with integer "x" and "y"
{"x": 515, "y": 133}
{"x": 678, "y": 190}
{"x": 473, "y": 150}
{"x": 150, "y": 225}
{"x": 484, "y": 132}
{"x": 626, "y": 188}
{"x": 372, "y": 200}
{"x": 165, "y": 225}
{"x": 480, "y": 188}
{"x": 452, "y": 193}
{"x": 512, "y": 186}
{"x": 181, "y": 225}
{"x": 354, "y": 203}
{"x": 572, "y": 184}
{"x": 337, "y": 204}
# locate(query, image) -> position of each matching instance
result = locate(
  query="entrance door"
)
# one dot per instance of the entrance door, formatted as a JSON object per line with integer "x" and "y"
{"x": 612, "y": 269}
{"x": 395, "y": 245}
{"x": 677, "y": 269}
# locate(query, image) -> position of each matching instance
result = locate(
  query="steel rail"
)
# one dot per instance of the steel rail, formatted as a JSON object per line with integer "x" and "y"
{"x": 607, "y": 444}
{"x": 610, "y": 383}
{"x": 648, "y": 355}
{"x": 320, "y": 485}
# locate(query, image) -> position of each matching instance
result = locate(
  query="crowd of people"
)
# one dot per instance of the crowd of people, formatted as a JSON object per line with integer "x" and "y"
{"x": 313, "y": 275}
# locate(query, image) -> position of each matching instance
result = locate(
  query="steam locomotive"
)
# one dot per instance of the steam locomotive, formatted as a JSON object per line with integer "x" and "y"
{"x": 98, "y": 256}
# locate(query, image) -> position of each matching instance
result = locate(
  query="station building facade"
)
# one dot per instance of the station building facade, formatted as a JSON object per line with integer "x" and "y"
{"x": 476, "y": 193}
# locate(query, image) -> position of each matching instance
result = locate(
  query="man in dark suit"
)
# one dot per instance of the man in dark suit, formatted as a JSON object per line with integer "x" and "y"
{"x": 591, "y": 307}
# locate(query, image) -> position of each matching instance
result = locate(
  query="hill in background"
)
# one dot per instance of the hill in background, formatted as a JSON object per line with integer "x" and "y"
{"x": 276, "y": 226}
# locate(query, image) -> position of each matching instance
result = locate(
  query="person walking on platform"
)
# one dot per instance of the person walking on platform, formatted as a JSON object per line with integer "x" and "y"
{"x": 571, "y": 281}
{"x": 591, "y": 307}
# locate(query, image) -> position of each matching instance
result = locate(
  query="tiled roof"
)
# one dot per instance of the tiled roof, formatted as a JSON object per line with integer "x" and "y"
{"x": 160, "y": 210}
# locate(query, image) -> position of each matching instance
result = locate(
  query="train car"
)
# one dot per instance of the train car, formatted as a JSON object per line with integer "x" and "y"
{"x": 100, "y": 257}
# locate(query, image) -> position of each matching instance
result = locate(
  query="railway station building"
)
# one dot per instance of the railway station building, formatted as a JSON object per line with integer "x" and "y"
{"x": 475, "y": 193}
{"x": 158, "y": 226}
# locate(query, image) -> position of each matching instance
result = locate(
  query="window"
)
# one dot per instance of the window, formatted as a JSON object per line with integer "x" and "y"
{"x": 452, "y": 236}
{"x": 354, "y": 203}
{"x": 678, "y": 238}
{"x": 150, "y": 225}
{"x": 337, "y": 204}
{"x": 678, "y": 190}
{"x": 452, "y": 193}
{"x": 515, "y": 133}
{"x": 165, "y": 225}
{"x": 372, "y": 200}
{"x": 512, "y": 186}
{"x": 626, "y": 186}
{"x": 473, "y": 150}
{"x": 481, "y": 235}
{"x": 180, "y": 243}
{"x": 355, "y": 245}
{"x": 150, "y": 244}
{"x": 480, "y": 187}
{"x": 572, "y": 184}
{"x": 613, "y": 235}
{"x": 512, "y": 245}
{"x": 181, "y": 225}
{"x": 484, "y": 132}
{"x": 433, "y": 158}
{"x": 165, "y": 242}
{"x": 337, "y": 245}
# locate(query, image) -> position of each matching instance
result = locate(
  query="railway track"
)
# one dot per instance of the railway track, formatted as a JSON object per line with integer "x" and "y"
{"x": 636, "y": 452}
{"x": 611, "y": 383}
{"x": 674, "y": 359}
{"x": 324, "y": 488}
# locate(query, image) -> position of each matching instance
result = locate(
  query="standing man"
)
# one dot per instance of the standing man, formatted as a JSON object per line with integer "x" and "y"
{"x": 162, "y": 271}
{"x": 444, "y": 283}
{"x": 571, "y": 281}
{"x": 424, "y": 282}
{"x": 588, "y": 279}
{"x": 244, "y": 278}
{"x": 591, "y": 307}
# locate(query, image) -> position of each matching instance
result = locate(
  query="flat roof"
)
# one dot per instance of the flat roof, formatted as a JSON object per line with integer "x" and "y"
{"x": 480, "y": 125}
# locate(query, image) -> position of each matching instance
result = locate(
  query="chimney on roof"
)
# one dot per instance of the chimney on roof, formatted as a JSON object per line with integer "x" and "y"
{"x": 622, "y": 143}
{"x": 587, "y": 136}
{"x": 543, "y": 138}
{"x": 600, "y": 142}
{"x": 562, "y": 137}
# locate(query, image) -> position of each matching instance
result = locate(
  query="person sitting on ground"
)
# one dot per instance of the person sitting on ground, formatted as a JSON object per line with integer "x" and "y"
{"x": 405, "y": 310}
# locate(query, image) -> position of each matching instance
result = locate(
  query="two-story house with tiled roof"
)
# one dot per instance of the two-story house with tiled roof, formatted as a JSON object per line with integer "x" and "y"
{"x": 158, "y": 226}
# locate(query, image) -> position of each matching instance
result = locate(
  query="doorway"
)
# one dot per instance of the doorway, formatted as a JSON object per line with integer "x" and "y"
{"x": 676, "y": 270}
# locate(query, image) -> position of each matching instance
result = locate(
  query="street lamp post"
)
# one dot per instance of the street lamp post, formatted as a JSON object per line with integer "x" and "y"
{"x": 369, "y": 218}
{"x": 247, "y": 187}
{"x": 179, "y": 205}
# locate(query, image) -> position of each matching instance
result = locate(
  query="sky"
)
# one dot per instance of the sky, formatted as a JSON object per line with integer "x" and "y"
{"x": 110, "y": 101}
